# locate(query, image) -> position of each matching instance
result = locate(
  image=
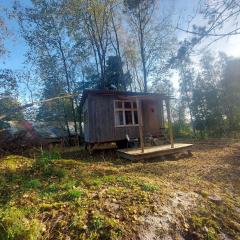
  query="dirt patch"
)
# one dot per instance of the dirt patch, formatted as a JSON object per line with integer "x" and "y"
{"x": 170, "y": 218}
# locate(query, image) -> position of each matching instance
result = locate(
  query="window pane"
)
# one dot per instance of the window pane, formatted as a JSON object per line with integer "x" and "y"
{"x": 127, "y": 105}
{"x": 119, "y": 118}
{"x": 134, "y": 105}
{"x": 118, "y": 104}
{"x": 135, "y": 117}
{"x": 128, "y": 117}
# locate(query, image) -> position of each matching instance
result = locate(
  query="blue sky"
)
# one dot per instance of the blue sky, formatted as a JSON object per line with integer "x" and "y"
{"x": 182, "y": 11}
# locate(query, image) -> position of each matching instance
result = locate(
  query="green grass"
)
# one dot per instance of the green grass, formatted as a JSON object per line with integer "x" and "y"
{"x": 34, "y": 183}
{"x": 106, "y": 198}
{"x": 16, "y": 225}
{"x": 72, "y": 194}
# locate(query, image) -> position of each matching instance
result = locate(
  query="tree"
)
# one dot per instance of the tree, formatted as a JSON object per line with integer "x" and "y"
{"x": 230, "y": 96}
{"x": 221, "y": 21}
{"x": 131, "y": 57}
{"x": 218, "y": 15}
{"x": 187, "y": 85}
{"x": 140, "y": 13}
{"x": 153, "y": 38}
{"x": 44, "y": 28}
{"x": 206, "y": 98}
{"x": 93, "y": 19}
{"x": 8, "y": 82}
{"x": 8, "y": 106}
{"x": 115, "y": 76}
{"x": 4, "y": 33}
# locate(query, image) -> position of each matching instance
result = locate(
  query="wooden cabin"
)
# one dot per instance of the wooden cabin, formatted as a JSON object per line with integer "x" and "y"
{"x": 115, "y": 116}
{"x": 111, "y": 115}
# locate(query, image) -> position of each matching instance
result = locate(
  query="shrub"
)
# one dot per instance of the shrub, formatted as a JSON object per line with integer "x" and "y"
{"x": 182, "y": 130}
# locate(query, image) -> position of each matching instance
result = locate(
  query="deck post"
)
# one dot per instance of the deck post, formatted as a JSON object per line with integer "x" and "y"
{"x": 140, "y": 123}
{"x": 170, "y": 130}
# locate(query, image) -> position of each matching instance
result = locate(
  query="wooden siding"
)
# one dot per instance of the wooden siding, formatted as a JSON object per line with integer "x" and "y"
{"x": 101, "y": 119}
{"x": 86, "y": 121}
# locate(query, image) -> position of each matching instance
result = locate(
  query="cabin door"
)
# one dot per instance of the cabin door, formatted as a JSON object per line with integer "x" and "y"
{"x": 151, "y": 121}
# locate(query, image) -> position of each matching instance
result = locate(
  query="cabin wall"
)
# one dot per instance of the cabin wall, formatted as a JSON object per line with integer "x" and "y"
{"x": 101, "y": 120}
{"x": 86, "y": 121}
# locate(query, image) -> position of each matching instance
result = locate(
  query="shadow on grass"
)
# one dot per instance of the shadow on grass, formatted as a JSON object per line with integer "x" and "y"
{"x": 84, "y": 156}
{"x": 225, "y": 172}
{"x": 18, "y": 179}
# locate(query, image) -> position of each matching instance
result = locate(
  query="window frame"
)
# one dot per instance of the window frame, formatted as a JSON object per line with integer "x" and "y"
{"x": 123, "y": 109}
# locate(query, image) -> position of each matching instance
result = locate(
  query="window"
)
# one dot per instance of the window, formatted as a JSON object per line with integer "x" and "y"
{"x": 125, "y": 113}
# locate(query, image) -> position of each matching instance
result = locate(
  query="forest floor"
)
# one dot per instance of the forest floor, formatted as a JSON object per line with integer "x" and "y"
{"x": 78, "y": 196}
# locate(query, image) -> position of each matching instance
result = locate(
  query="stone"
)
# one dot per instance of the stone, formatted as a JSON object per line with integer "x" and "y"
{"x": 223, "y": 236}
{"x": 215, "y": 199}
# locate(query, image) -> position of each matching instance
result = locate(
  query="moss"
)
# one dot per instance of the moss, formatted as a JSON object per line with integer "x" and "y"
{"x": 16, "y": 226}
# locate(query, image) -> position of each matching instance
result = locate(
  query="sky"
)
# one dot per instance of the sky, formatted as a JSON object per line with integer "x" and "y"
{"x": 182, "y": 11}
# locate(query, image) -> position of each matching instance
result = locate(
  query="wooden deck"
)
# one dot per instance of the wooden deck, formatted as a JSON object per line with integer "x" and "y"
{"x": 154, "y": 151}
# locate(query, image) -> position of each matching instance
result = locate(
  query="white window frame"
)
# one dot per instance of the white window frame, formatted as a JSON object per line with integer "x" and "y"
{"x": 123, "y": 109}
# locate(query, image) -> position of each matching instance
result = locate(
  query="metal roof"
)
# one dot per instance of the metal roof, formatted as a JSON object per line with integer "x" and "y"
{"x": 35, "y": 130}
{"x": 107, "y": 92}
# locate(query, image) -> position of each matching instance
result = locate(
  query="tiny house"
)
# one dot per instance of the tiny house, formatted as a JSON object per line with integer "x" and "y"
{"x": 116, "y": 116}
{"x": 110, "y": 116}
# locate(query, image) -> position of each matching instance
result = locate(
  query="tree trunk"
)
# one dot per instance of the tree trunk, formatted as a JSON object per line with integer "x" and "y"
{"x": 68, "y": 86}
{"x": 118, "y": 53}
{"x": 142, "y": 51}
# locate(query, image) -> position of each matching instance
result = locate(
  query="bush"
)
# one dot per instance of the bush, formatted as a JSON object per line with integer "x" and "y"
{"x": 15, "y": 226}
{"x": 182, "y": 130}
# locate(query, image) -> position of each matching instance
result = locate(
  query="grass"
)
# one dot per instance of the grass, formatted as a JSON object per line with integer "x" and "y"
{"x": 78, "y": 196}
{"x": 16, "y": 225}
